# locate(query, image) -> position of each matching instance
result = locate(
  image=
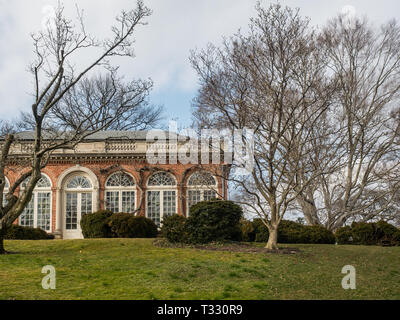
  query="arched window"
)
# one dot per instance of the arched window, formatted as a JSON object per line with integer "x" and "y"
{"x": 78, "y": 201}
{"x": 79, "y": 182}
{"x": 37, "y": 213}
{"x": 201, "y": 187}
{"x": 120, "y": 193}
{"x": 161, "y": 196}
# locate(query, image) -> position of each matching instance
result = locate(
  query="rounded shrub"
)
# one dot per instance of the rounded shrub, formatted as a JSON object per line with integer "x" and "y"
{"x": 16, "y": 232}
{"x": 387, "y": 233}
{"x": 126, "y": 225}
{"x": 215, "y": 220}
{"x": 364, "y": 233}
{"x": 95, "y": 225}
{"x": 344, "y": 235}
{"x": 174, "y": 229}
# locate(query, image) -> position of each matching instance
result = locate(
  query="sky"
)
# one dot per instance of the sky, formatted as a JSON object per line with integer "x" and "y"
{"x": 162, "y": 47}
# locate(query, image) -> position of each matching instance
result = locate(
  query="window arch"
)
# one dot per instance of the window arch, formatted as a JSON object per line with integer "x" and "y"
{"x": 201, "y": 178}
{"x": 201, "y": 187}
{"x": 37, "y": 213}
{"x": 161, "y": 196}
{"x": 161, "y": 179}
{"x": 79, "y": 182}
{"x": 120, "y": 195}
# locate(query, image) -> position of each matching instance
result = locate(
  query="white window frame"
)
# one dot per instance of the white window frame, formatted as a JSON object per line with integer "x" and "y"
{"x": 120, "y": 190}
{"x": 35, "y": 193}
{"x": 202, "y": 189}
{"x": 161, "y": 189}
{"x": 79, "y": 192}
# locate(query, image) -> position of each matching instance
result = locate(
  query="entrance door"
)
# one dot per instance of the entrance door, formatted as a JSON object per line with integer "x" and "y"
{"x": 77, "y": 204}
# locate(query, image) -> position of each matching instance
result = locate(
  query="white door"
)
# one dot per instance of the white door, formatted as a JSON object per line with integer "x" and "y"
{"x": 77, "y": 204}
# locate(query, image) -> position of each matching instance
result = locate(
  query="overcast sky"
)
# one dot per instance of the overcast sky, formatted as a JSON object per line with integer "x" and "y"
{"x": 162, "y": 47}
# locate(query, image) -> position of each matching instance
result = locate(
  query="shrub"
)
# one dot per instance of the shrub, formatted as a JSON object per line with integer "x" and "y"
{"x": 16, "y": 232}
{"x": 247, "y": 230}
{"x": 260, "y": 230}
{"x": 386, "y": 232}
{"x": 294, "y": 232}
{"x": 173, "y": 228}
{"x": 344, "y": 235}
{"x": 319, "y": 234}
{"x": 95, "y": 225}
{"x": 364, "y": 233}
{"x": 215, "y": 220}
{"x": 126, "y": 225}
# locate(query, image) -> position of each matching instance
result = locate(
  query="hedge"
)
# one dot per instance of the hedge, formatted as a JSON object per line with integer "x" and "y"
{"x": 174, "y": 229}
{"x": 374, "y": 233}
{"x": 215, "y": 220}
{"x": 126, "y": 225}
{"x": 288, "y": 232}
{"x": 16, "y": 232}
{"x": 95, "y": 225}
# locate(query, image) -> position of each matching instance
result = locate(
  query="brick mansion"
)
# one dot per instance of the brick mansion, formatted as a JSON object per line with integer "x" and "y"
{"x": 110, "y": 170}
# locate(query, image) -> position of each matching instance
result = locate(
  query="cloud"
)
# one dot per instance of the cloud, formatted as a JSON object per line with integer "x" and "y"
{"x": 162, "y": 47}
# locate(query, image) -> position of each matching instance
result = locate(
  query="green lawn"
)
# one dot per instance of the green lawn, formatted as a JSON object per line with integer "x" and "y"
{"x": 135, "y": 269}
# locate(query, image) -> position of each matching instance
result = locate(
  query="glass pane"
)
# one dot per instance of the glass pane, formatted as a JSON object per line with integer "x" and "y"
{"x": 120, "y": 179}
{"x": 79, "y": 182}
{"x": 201, "y": 178}
{"x": 112, "y": 201}
{"x": 86, "y": 203}
{"x": 194, "y": 196}
{"x": 43, "y": 210}
{"x": 128, "y": 201}
{"x": 26, "y": 218}
{"x": 210, "y": 195}
{"x": 162, "y": 179}
{"x": 169, "y": 203}
{"x": 153, "y": 206}
{"x": 71, "y": 211}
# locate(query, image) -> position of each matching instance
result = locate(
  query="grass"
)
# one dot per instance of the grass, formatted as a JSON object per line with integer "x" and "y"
{"x": 135, "y": 269}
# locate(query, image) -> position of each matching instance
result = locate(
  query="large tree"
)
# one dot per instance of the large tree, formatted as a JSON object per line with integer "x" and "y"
{"x": 361, "y": 129}
{"x": 71, "y": 102}
{"x": 273, "y": 81}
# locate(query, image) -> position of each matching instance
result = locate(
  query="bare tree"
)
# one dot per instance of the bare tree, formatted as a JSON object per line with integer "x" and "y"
{"x": 273, "y": 82}
{"x": 361, "y": 128}
{"x": 59, "y": 86}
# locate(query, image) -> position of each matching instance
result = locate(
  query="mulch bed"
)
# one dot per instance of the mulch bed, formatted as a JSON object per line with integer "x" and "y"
{"x": 224, "y": 246}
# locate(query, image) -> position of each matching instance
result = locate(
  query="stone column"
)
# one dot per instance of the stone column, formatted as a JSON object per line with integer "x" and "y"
{"x": 59, "y": 216}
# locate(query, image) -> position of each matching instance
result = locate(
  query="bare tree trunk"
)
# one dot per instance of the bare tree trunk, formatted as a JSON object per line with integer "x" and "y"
{"x": 272, "y": 239}
{"x": 309, "y": 211}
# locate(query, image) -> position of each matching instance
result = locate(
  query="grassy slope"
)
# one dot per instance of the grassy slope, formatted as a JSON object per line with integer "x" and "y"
{"x": 135, "y": 269}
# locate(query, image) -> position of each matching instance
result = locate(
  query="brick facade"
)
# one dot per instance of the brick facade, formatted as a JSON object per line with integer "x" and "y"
{"x": 101, "y": 167}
